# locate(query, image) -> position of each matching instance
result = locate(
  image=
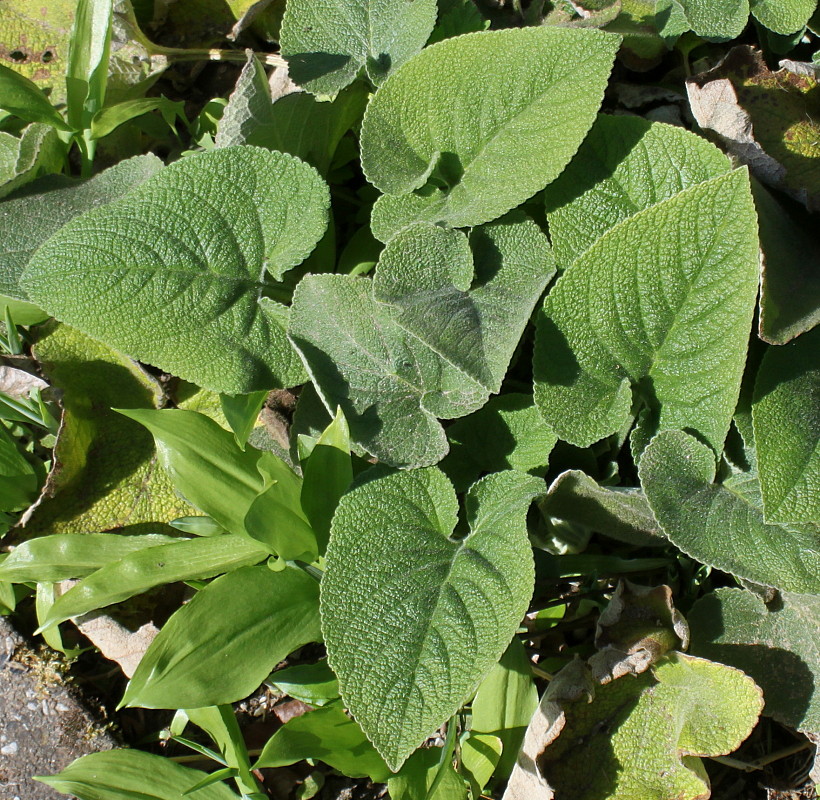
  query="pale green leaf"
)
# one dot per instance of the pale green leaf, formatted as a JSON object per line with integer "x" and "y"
{"x": 429, "y": 338}
{"x": 106, "y": 474}
{"x": 504, "y": 704}
{"x": 776, "y": 644}
{"x": 87, "y": 67}
{"x": 619, "y": 512}
{"x": 297, "y": 123}
{"x": 431, "y": 615}
{"x": 457, "y": 17}
{"x": 626, "y": 164}
{"x": 141, "y": 570}
{"x": 124, "y": 775}
{"x": 328, "y": 735}
{"x": 421, "y": 773}
{"x": 23, "y": 98}
{"x": 717, "y": 19}
{"x": 108, "y": 119}
{"x": 175, "y": 272}
{"x": 48, "y": 203}
{"x": 786, "y": 414}
{"x": 18, "y": 480}
{"x": 491, "y": 136}
{"x": 62, "y": 556}
{"x": 783, "y": 16}
{"x": 326, "y": 44}
{"x": 199, "y": 660}
{"x": 655, "y": 314}
{"x": 480, "y": 753}
{"x": 644, "y": 734}
{"x": 38, "y": 150}
{"x": 242, "y": 411}
{"x": 722, "y": 524}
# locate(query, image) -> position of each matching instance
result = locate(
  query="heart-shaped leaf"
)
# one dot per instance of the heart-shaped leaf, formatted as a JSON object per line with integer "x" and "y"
{"x": 413, "y": 619}
{"x": 492, "y": 134}
{"x": 721, "y": 524}
{"x": 655, "y": 314}
{"x": 429, "y": 338}
{"x": 175, "y": 272}
{"x": 326, "y": 45}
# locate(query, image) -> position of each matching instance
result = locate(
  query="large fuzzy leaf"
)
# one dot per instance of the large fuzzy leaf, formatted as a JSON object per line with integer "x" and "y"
{"x": 491, "y": 136}
{"x": 429, "y": 338}
{"x": 777, "y": 645}
{"x": 326, "y": 44}
{"x": 786, "y": 414}
{"x": 625, "y": 165}
{"x": 655, "y": 314}
{"x": 412, "y": 618}
{"x": 721, "y": 524}
{"x": 175, "y": 272}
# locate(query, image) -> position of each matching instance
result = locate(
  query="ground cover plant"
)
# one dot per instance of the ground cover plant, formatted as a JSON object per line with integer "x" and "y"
{"x": 455, "y": 381}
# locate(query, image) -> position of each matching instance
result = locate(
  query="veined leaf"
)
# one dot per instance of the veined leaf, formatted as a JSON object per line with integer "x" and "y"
{"x": 493, "y": 137}
{"x": 37, "y": 150}
{"x": 625, "y": 164}
{"x": 431, "y": 614}
{"x": 124, "y": 775}
{"x": 50, "y": 202}
{"x": 199, "y": 660}
{"x": 326, "y": 45}
{"x": 329, "y": 735}
{"x": 657, "y": 314}
{"x": 141, "y": 570}
{"x": 783, "y": 16}
{"x": 786, "y": 414}
{"x": 429, "y": 338}
{"x": 174, "y": 273}
{"x": 722, "y": 524}
{"x": 717, "y": 19}
{"x": 61, "y": 556}
{"x": 777, "y": 645}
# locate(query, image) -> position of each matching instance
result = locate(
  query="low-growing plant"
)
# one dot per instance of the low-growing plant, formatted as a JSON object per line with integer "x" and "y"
{"x": 532, "y": 364}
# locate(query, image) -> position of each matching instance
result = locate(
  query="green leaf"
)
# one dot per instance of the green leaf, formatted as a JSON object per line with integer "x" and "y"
{"x": 457, "y": 17}
{"x": 107, "y": 120}
{"x": 717, "y": 19}
{"x": 507, "y": 433}
{"x": 786, "y": 414}
{"x": 18, "y": 480}
{"x": 241, "y": 411}
{"x": 431, "y": 614}
{"x": 48, "y": 203}
{"x": 24, "y": 99}
{"x": 297, "y": 123}
{"x": 783, "y": 16}
{"x": 419, "y": 775}
{"x": 625, "y": 165}
{"x": 619, "y": 512}
{"x": 326, "y": 45}
{"x": 504, "y": 704}
{"x": 776, "y": 644}
{"x": 657, "y": 321}
{"x": 480, "y": 753}
{"x": 790, "y": 280}
{"x": 314, "y": 684}
{"x": 38, "y": 150}
{"x": 205, "y": 463}
{"x": 645, "y": 734}
{"x": 122, "y": 775}
{"x": 139, "y": 571}
{"x": 87, "y": 68}
{"x": 62, "y": 556}
{"x": 430, "y": 337}
{"x": 189, "y": 297}
{"x": 329, "y": 735}
{"x": 493, "y": 137}
{"x": 221, "y": 646}
{"x": 327, "y": 472}
{"x": 722, "y": 524}
{"x": 106, "y": 474}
